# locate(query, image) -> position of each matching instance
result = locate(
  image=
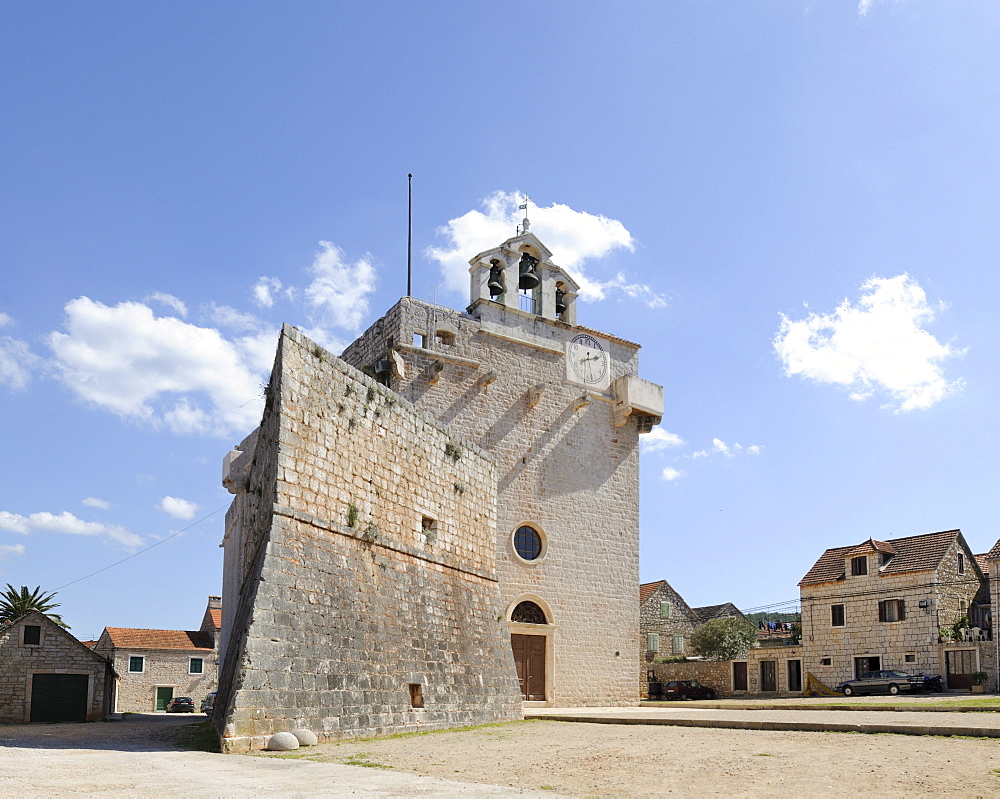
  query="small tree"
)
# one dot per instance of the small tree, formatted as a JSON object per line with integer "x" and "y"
{"x": 14, "y": 604}
{"x": 728, "y": 638}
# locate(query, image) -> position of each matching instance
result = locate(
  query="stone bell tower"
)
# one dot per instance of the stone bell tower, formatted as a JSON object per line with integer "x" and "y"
{"x": 560, "y": 407}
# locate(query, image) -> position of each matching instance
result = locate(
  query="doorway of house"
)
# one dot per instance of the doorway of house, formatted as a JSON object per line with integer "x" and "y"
{"x": 768, "y": 676}
{"x": 794, "y": 675}
{"x": 959, "y": 666}
{"x": 163, "y": 697}
{"x": 866, "y": 664}
{"x": 529, "y": 656}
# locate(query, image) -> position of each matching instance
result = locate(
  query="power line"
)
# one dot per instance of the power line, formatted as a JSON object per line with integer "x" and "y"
{"x": 136, "y": 554}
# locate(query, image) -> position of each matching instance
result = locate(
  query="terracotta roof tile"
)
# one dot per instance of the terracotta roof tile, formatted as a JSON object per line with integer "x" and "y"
{"x": 646, "y": 590}
{"x": 710, "y": 612}
{"x": 912, "y": 554}
{"x": 983, "y": 561}
{"x": 131, "y": 638}
{"x": 216, "y": 614}
{"x": 995, "y": 552}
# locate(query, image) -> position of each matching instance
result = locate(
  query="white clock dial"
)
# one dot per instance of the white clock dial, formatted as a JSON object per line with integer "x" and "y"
{"x": 587, "y": 359}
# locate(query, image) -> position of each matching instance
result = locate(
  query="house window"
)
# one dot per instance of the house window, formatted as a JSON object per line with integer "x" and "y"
{"x": 664, "y": 610}
{"x": 196, "y": 666}
{"x": 891, "y": 610}
{"x": 653, "y": 642}
{"x": 836, "y": 615}
{"x": 678, "y": 644}
{"x": 445, "y": 338}
{"x": 961, "y": 563}
{"x": 826, "y": 661}
{"x": 527, "y": 543}
{"x": 32, "y": 635}
{"x": 136, "y": 664}
{"x": 859, "y": 566}
{"x": 528, "y": 612}
{"x": 884, "y": 558}
{"x": 910, "y": 657}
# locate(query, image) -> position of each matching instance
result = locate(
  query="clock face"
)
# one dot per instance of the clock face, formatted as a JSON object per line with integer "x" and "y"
{"x": 587, "y": 359}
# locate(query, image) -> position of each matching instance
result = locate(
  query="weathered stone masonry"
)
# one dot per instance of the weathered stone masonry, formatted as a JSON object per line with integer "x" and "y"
{"x": 366, "y": 555}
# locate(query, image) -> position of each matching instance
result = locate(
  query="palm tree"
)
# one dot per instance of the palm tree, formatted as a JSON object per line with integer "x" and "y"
{"x": 14, "y": 604}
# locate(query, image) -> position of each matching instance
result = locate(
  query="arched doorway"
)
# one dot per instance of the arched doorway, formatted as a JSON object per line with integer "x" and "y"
{"x": 530, "y": 648}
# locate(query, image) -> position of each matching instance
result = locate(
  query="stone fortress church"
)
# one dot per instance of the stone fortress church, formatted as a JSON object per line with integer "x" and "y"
{"x": 443, "y": 523}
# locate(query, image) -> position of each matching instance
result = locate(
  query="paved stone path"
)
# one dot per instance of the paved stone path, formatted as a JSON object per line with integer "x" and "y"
{"x": 900, "y": 721}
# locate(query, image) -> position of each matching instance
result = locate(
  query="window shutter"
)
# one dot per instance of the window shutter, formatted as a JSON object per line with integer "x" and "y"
{"x": 678, "y": 644}
{"x": 901, "y": 609}
{"x": 664, "y": 610}
{"x": 881, "y": 611}
{"x": 653, "y": 642}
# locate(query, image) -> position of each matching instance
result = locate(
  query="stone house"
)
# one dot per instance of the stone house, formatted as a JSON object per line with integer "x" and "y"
{"x": 666, "y": 621}
{"x": 442, "y": 523}
{"x": 892, "y": 604}
{"x": 48, "y": 675}
{"x": 154, "y": 666}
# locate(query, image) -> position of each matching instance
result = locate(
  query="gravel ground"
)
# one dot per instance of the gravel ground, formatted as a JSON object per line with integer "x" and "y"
{"x": 141, "y": 756}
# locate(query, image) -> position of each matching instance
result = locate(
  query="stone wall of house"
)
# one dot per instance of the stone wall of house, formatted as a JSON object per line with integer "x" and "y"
{"x": 498, "y": 377}
{"x": 58, "y": 652}
{"x": 716, "y": 674}
{"x": 946, "y": 592}
{"x": 368, "y": 588}
{"x": 719, "y": 674}
{"x": 135, "y": 692}
{"x": 677, "y": 622}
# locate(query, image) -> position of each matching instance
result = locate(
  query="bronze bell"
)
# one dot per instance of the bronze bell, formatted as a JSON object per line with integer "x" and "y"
{"x": 527, "y": 279}
{"x": 495, "y": 284}
{"x": 560, "y": 301}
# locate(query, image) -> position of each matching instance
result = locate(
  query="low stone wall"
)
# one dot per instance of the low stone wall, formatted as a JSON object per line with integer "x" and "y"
{"x": 716, "y": 674}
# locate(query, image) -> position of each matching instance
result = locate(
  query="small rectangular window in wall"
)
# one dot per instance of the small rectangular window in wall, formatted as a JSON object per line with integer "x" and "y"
{"x": 196, "y": 666}
{"x": 678, "y": 645}
{"x": 826, "y": 661}
{"x": 961, "y": 563}
{"x": 891, "y": 610}
{"x": 653, "y": 642}
{"x": 664, "y": 610}
{"x": 859, "y": 566}
{"x": 32, "y": 634}
{"x": 136, "y": 664}
{"x": 836, "y": 615}
{"x": 910, "y": 657}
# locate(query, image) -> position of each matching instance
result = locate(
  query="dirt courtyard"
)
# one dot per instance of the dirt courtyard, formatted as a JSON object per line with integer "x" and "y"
{"x": 150, "y": 754}
{"x": 581, "y": 759}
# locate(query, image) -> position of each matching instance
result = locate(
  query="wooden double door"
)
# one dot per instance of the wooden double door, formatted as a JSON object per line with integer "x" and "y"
{"x": 529, "y": 656}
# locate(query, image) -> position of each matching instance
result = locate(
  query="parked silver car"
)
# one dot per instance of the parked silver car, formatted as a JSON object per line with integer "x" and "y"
{"x": 208, "y": 704}
{"x": 882, "y": 682}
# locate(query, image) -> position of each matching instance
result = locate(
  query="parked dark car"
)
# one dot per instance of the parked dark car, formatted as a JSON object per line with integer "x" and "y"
{"x": 208, "y": 704}
{"x": 687, "y": 689}
{"x": 882, "y": 682}
{"x": 181, "y": 704}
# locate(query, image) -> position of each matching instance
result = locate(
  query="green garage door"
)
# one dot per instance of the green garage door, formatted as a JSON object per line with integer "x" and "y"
{"x": 59, "y": 697}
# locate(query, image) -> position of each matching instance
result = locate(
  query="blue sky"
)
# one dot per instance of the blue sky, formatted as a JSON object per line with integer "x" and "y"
{"x": 792, "y": 206}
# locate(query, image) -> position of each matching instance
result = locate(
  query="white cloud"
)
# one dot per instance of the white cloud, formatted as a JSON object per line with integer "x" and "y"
{"x": 573, "y": 236}
{"x": 338, "y": 293}
{"x": 170, "y": 301}
{"x": 10, "y": 550}
{"x": 264, "y": 290}
{"x": 16, "y": 362}
{"x": 159, "y": 371}
{"x": 68, "y": 524}
{"x": 877, "y": 345}
{"x": 178, "y": 508}
{"x": 659, "y": 440}
{"x": 94, "y": 502}
{"x": 864, "y": 6}
{"x": 228, "y": 317}
{"x": 720, "y": 447}
{"x": 670, "y": 473}
{"x": 6, "y": 319}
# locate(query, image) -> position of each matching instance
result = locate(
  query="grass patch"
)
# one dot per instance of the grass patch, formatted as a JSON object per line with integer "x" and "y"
{"x": 360, "y": 760}
{"x": 395, "y": 735}
{"x": 199, "y": 737}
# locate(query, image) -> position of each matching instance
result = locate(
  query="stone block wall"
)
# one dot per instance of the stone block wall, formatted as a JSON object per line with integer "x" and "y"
{"x": 368, "y": 600}
{"x": 57, "y": 653}
{"x": 135, "y": 692}
{"x": 715, "y": 674}
{"x": 947, "y": 593}
{"x": 497, "y": 376}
